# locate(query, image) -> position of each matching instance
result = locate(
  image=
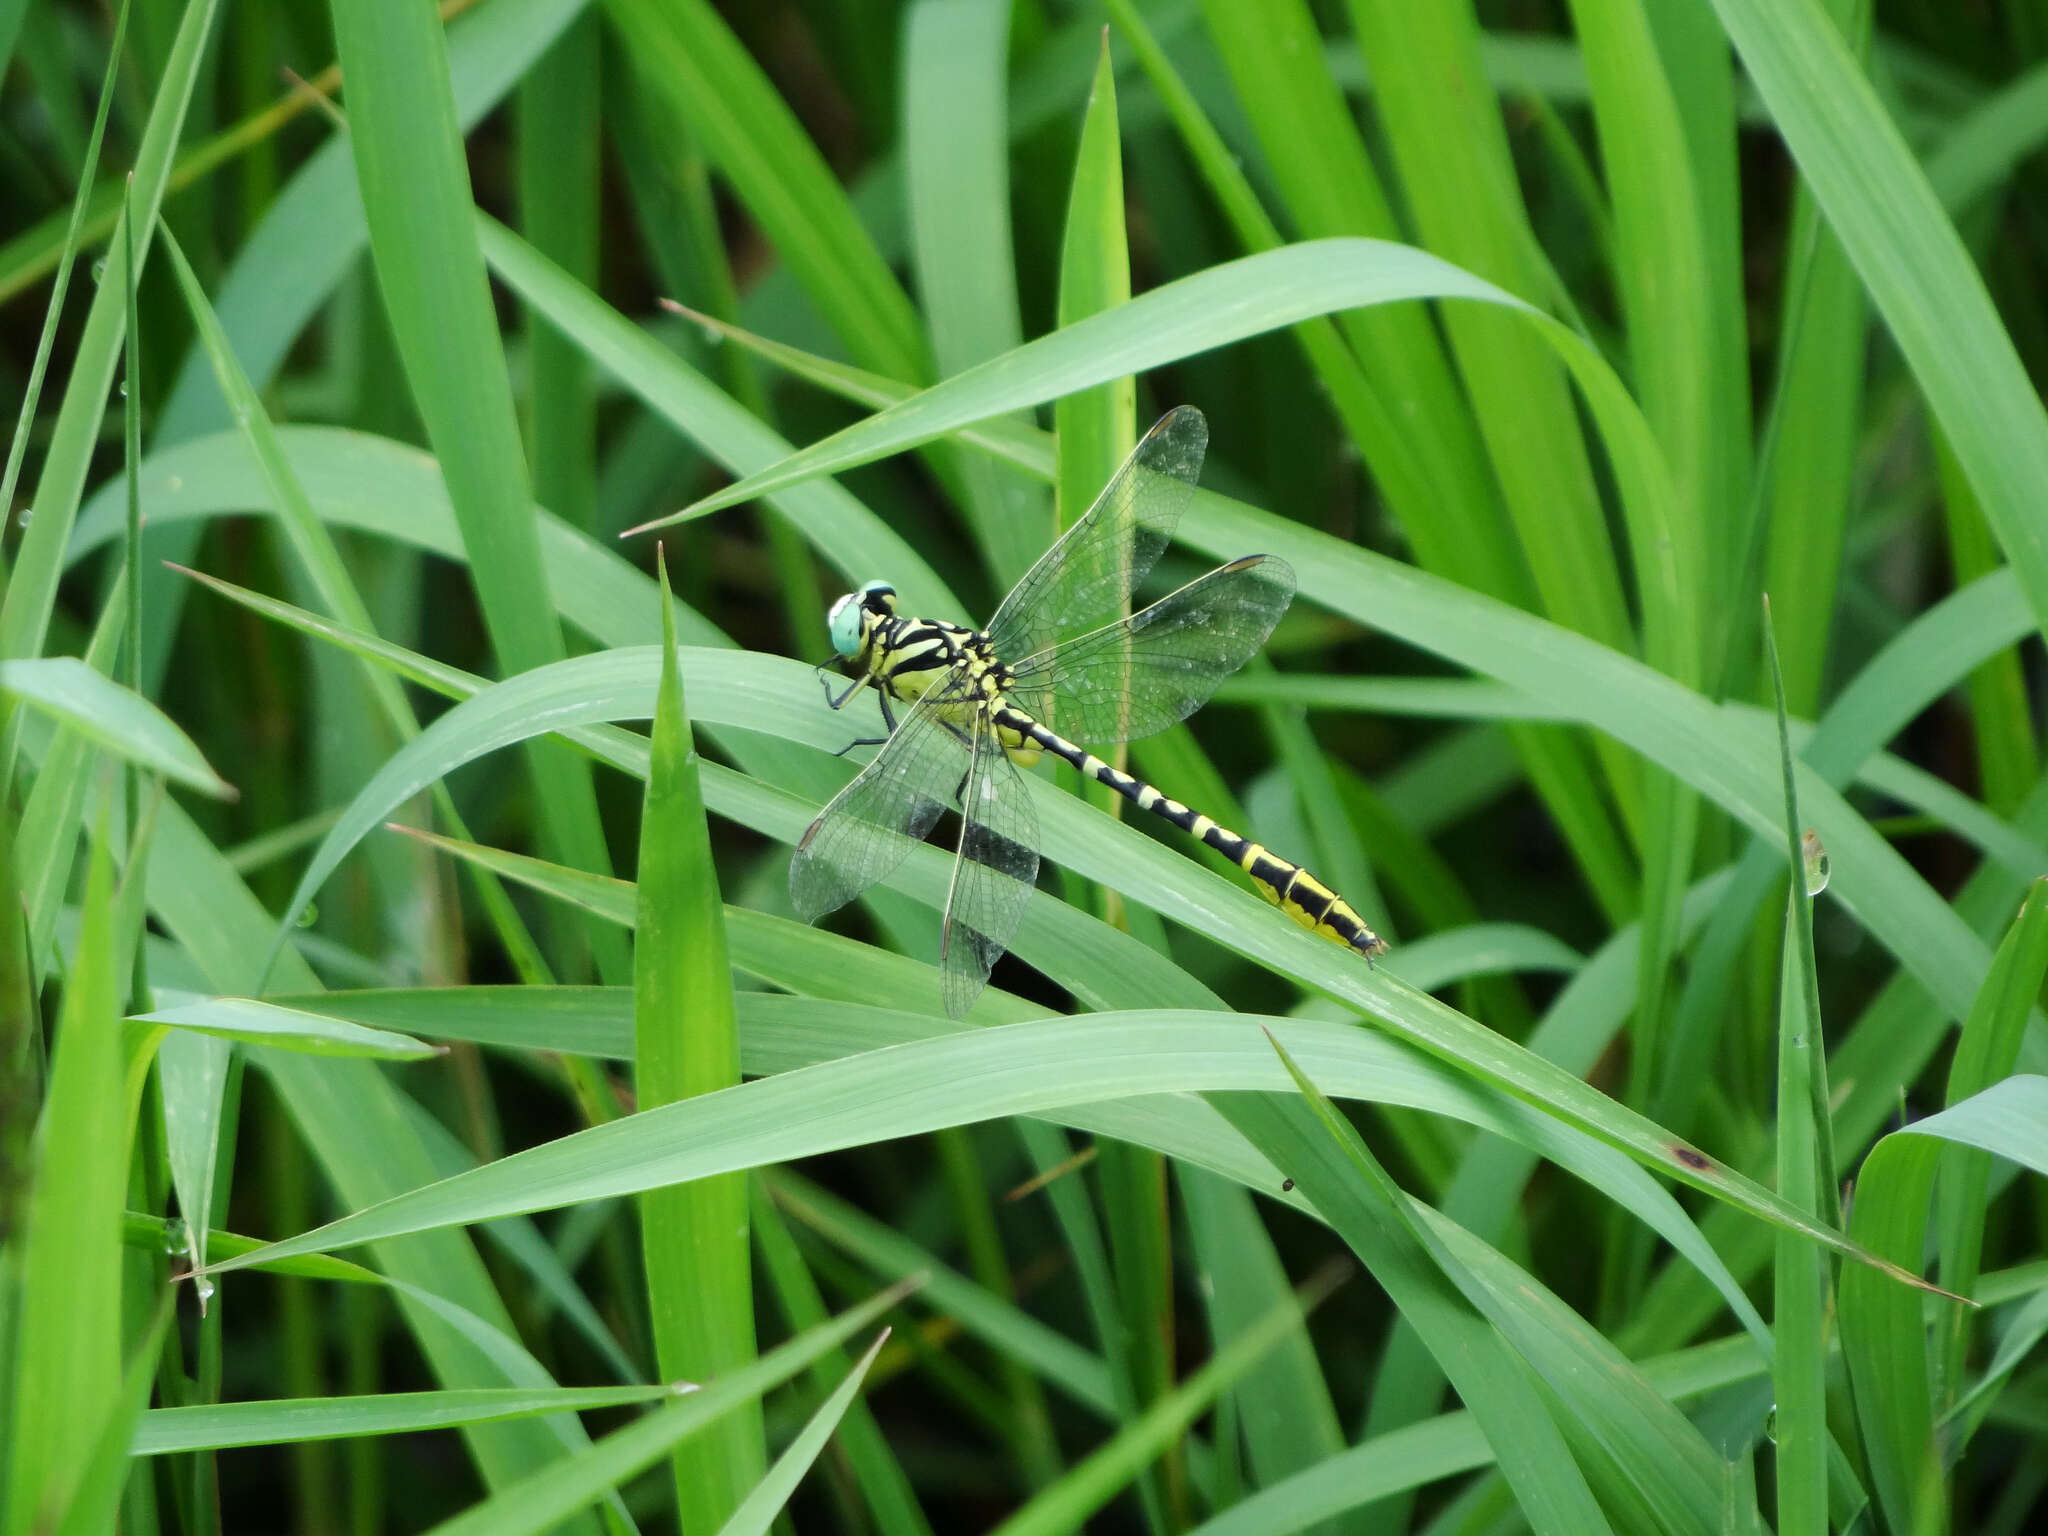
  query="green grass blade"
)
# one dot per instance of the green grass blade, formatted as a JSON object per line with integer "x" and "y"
{"x": 699, "y": 1275}
{"x": 315, "y": 230}
{"x": 1246, "y": 298}
{"x": 1068, "y": 1504}
{"x": 416, "y": 200}
{"x": 843, "y": 531}
{"x": 67, "y": 1363}
{"x": 261, "y": 1023}
{"x": 214, "y": 1426}
{"x": 833, "y": 1103}
{"x": 47, "y": 835}
{"x": 769, "y": 1496}
{"x": 17, "y": 446}
{"x": 1290, "y": 1423}
{"x": 688, "y": 54}
{"x": 32, "y": 589}
{"x": 192, "y": 1077}
{"x": 558, "y": 195}
{"x": 1986, "y": 1051}
{"x": 1804, "y": 1175}
{"x": 1331, "y": 1166}
{"x": 355, "y": 1128}
{"x": 1093, "y": 431}
{"x": 1883, "y": 1337}
{"x": 104, "y": 713}
{"x": 2008, "y": 759}
{"x": 887, "y": 1487}
{"x": 328, "y": 572}
{"x": 538, "y": 1501}
{"x": 1809, "y": 441}
{"x": 956, "y": 172}
{"x": 99, "y": 1489}
{"x": 1913, "y": 265}
{"x": 1446, "y": 137}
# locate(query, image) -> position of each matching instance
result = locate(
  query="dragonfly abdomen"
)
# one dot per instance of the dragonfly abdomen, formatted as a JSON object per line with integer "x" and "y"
{"x": 1287, "y": 885}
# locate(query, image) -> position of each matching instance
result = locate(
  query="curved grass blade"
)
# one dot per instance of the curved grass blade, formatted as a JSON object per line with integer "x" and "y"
{"x": 123, "y": 723}
{"x": 263, "y": 1023}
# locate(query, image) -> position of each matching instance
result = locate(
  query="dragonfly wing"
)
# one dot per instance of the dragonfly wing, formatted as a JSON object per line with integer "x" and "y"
{"x": 1085, "y": 579}
{"x": 993, "y": 877}
{"x": 1142, "y": 674}
{"x": 871, "y": 825}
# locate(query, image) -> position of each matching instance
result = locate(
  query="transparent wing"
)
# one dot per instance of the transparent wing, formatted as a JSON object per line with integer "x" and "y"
{"x": 1142, "y": 674}
{"x": 992, "y": 878}
{"x": 1084, "y": 581}
{"x": 871, "y": 825}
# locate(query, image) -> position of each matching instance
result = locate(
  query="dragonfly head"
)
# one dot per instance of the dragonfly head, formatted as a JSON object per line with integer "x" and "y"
{"x": 855, "y": 615}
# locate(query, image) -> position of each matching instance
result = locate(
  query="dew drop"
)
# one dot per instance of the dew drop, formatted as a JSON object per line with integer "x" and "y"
{"x": 99, "y": 269}
{"x": 203, "y": 1288}
{"x": 310, "y": 916}
{"x": 25, "y": 514}
{"x": 176, "y": 1237}
{"x": 1815, "y": 858}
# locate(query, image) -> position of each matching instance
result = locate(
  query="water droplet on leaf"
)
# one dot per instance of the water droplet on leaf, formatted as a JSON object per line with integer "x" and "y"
{"x": 1815, "y": 858}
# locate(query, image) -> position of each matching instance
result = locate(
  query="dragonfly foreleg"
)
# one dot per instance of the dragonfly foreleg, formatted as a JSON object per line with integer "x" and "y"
{"x": 851, "y": 689}
{"x": 888, "y": 716}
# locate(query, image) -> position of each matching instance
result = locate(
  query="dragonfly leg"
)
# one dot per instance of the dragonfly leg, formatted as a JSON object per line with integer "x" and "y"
{"x": 841, "y": 701}
{"x": 851, "y": 689}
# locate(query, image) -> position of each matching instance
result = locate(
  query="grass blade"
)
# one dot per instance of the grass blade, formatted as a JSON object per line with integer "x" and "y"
{"x": 32, "y": 589}
{"x": 67, "y": 1363}
{"x": 687, "y": 53}
{"x": 536, "y": 1503}
{"x": 1805, "y": 1169}
{"x": 1913, "y": 264}
{"x": 768, "y": 1497}
{"x": 699, "y": 1276}
{"x": 416, "y": 200}
{"x": 101, "y": 711}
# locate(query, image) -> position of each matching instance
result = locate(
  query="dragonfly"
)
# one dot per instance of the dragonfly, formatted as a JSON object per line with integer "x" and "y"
{"x": 1063, "y": 659}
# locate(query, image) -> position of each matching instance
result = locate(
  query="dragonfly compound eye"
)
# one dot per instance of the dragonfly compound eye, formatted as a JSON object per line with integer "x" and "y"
{"x": 843, "y": 624}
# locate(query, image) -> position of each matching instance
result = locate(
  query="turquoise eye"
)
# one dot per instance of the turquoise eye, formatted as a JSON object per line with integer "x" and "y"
{"x": 843, "y": 623}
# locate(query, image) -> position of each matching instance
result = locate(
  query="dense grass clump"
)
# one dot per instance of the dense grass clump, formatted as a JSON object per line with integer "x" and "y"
{"x": 1640, "y": 393}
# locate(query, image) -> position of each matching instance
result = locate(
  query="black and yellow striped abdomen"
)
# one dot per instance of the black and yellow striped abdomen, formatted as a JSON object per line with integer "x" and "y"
{"x": 1288, "y": 886}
